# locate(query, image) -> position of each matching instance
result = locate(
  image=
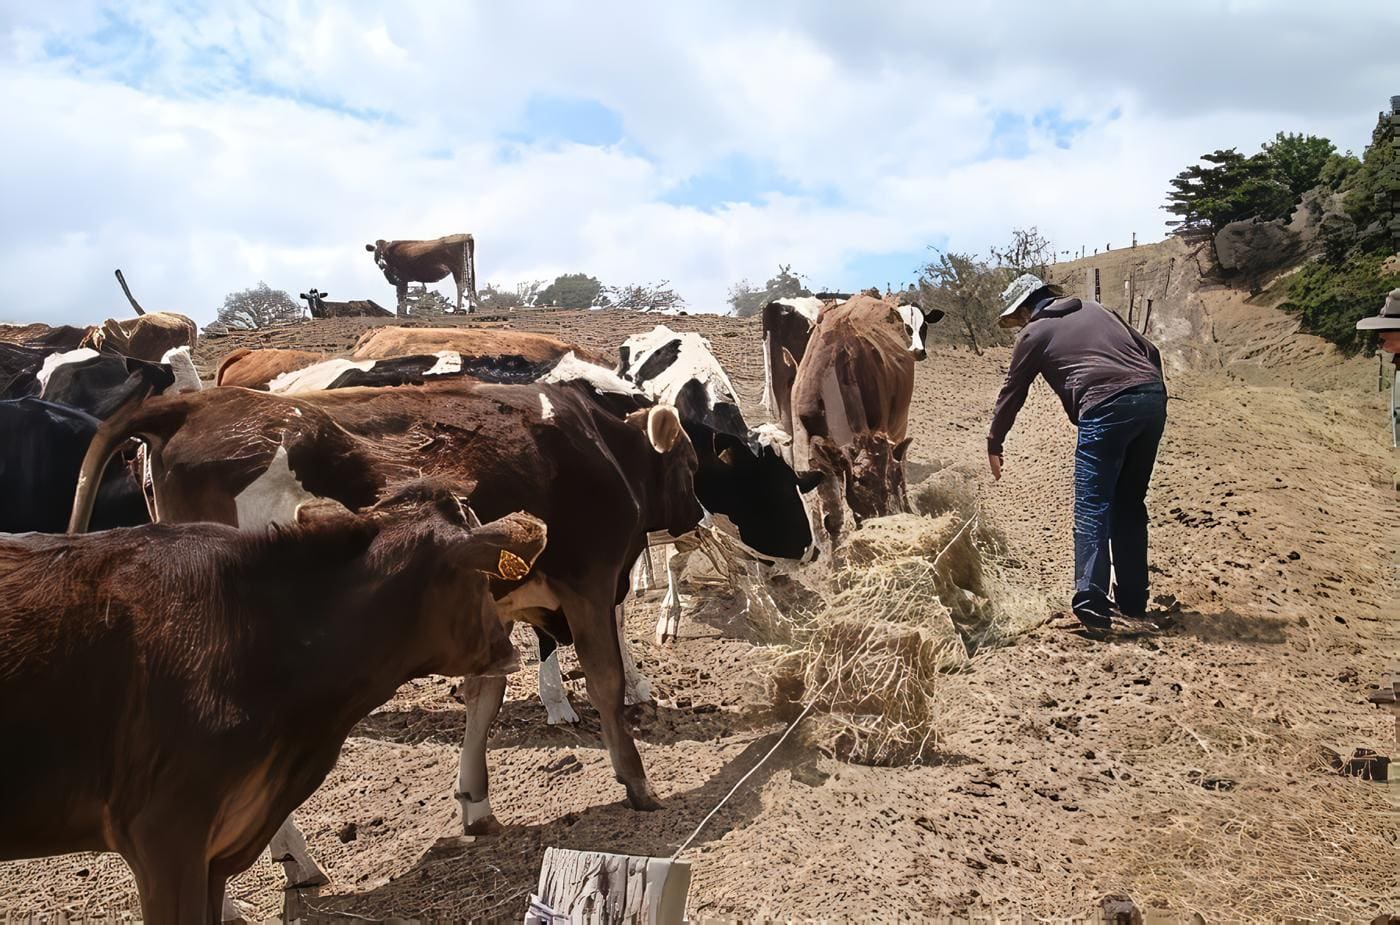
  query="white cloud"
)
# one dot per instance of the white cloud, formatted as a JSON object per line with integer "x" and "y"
{"x": 203, "y": 151}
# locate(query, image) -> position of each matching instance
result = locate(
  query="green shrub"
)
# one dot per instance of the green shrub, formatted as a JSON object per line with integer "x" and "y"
{"x": 1330, "y": 298}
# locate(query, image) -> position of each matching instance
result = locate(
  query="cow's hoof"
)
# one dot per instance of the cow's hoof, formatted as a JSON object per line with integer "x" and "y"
{"x": 237, "y": 912}
{"x": 488, "y": 827}
{"x": 642, "y": 799}
{"x": 557, "y": 714}
{"x": 303, "y": 876}
{"x": 638, "y": 693}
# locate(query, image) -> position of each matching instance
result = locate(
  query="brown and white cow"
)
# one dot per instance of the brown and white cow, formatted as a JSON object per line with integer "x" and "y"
{"x": 787, "y": 327}
{"x": 404, "y": 262}
{"x": 600, "y": 465}
{"x": 254, "y": 369}
{"x": 850, "y": 402}
{"x": 396, "y": 341}
{"x": 176, "y": 667}
{"x": 148, "y": 337}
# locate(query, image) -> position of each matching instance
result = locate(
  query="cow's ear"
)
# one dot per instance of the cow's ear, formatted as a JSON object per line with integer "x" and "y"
{"x": 808, "y": 480}
{"x": 788, "y": 360}
{"x": 933, "y": 315}
{"x": 664, "y": 429}
{"x": 902, "y": 448}
{"x": 507, "y": 547}
{"x": 370, "y": 248}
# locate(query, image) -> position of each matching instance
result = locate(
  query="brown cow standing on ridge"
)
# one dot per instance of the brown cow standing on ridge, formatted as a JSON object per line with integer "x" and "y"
{"x": 405, "y": 262}
{"x": 851, "y": 405}
{"x": 177, "y": 667}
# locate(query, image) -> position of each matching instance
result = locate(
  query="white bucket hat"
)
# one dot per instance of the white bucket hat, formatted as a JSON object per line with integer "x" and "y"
{"x": 1021, "y": 288}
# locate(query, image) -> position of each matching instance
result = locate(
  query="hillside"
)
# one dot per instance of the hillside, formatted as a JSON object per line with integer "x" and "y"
{"x": 1181, "y": 768}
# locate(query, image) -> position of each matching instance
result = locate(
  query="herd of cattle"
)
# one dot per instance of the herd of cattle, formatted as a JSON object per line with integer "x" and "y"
{"x": 308, "y": 533}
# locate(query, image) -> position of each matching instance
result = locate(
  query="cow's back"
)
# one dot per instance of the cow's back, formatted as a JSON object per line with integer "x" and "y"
{"x": 392, "y": 341}
{"x": 856, "y": 359}
{"x": 254, "y": 369}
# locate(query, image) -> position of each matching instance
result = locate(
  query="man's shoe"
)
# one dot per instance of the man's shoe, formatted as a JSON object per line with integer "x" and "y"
{"x": 1095, "y": 620}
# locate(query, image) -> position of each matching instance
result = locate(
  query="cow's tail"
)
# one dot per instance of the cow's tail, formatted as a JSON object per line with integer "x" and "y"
{"x": 122, "y": 280}
{"x": 131, "y": 421}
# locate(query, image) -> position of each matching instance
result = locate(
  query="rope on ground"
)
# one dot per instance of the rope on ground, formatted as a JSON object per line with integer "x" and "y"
{"x": 976, "y": 515}
{"x": 732, "y": 790}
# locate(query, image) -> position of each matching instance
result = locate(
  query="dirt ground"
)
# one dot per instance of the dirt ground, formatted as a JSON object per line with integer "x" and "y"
{"x": 1179, "y": 767}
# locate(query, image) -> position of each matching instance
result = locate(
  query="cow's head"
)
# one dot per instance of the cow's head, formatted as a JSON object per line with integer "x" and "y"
{"x": 380, "y": 250}
{"x": 916, "y": 321}
{"x": 427, "y": 536}
{"x": 673, "y": 467}
{"x": 746, "y": 479}
{"x": 875, "y": 485}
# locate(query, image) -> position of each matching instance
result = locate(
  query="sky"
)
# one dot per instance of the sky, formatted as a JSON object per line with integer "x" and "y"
{"x": 204, "y": 147}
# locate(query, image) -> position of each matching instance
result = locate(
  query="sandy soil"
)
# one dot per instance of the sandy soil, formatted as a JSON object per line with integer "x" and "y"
{"x": 1178, "y": 767}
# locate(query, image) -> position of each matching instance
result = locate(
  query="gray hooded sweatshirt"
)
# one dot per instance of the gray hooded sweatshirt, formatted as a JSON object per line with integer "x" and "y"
{"x": 1086, "y": 353}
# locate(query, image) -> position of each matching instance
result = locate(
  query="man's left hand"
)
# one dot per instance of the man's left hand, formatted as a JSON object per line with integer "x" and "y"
{"x": 994, "y": 461}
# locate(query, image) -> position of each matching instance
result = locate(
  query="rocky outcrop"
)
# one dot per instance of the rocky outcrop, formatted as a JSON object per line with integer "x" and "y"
{"x": 1252, "y": 249}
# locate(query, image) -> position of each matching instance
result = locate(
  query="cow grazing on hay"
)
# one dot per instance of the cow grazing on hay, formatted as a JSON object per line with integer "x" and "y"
{"x": 202, "y": 652}
{"x": 850, "y": 401}
{"x": 404, "y": 262}
{"x": 742, "y": 476}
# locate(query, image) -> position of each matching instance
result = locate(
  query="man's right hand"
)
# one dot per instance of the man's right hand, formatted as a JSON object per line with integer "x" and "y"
{"x": 994, "y": 461}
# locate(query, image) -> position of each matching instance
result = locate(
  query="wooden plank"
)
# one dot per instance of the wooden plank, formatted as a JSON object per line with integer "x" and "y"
{"x": 598, "y": 888}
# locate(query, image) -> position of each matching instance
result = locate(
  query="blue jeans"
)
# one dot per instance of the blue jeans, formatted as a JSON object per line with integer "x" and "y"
{"x": 1112, "y": 465}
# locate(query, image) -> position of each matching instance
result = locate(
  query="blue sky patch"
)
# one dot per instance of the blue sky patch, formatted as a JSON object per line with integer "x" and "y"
{"x": 555, "y": 119}
{"x": 897, "y": 268}
{"x": 1011, "y": 131}
{"x": 741, "y": 178}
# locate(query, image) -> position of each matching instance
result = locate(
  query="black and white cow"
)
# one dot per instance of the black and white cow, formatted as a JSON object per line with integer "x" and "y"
{"x": 41, "y": 452}
{"x": 340, "y": 373}
{"x": 99, "y": 383}
{"x": 743, "y": 481}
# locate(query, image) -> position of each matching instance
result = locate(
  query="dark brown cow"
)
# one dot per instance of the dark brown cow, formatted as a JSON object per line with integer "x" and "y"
{"x": 601, "y": 468}
{"x": 396, "y": 341}
{"x": 177, "y": 667}
{"x": 43, "y": 336}
{"x": 787, "y": 326}
{"x": 355, "y": 308}
{"x": 851, "y": 405}
{"x": 404, "y": 262}
{"x": 254, "y": 369}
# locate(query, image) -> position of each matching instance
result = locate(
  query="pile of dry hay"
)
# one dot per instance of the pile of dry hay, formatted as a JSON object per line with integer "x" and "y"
{"x": 907, "y": 599}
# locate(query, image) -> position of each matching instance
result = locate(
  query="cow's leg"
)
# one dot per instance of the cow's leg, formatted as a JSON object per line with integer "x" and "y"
{"x": 401, "y": 290}
{"x": 288, "y": 848}
{"x": 483, "y": 697}
{"x": 552, "y": 694}
{"x": 669, "y": 620}
{"x": 643, "y": 579}
{"x": 172, "y": 878}
{"x": 637, "y": 689}
{"x": 599, "y": 651}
